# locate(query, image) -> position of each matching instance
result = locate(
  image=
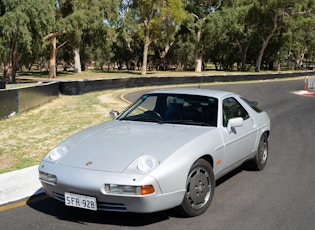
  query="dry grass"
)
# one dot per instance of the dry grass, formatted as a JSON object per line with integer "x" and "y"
{"x": 27, "y": 137}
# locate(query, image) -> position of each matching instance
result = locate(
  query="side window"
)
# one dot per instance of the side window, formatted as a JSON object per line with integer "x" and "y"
{"x": 232, "y": 108}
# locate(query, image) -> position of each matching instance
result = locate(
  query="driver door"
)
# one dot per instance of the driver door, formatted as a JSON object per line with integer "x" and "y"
{"x": 239, "y": 143}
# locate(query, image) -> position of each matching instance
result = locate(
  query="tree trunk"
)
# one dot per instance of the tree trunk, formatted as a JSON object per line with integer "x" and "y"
{"x": 198, "y": 53}
{"x": 77, "y": 62}
{"x": 198, "y": 64}
{"x": 266, "y": 41}
{"x": 145, "y": 51}
{"x": 259, "y": 59}
{"x": 145, "y": 59}
{"x": 300, "y": 58}
{"x": 276, "y": 64}
{"x": 262, "y": 50}
{"x": 243, "y": 52}
{"x": 52, "y": 38}
{"x": 52, "y": 61}
{"x": 12, "y": 67}
{"x": 10, "y": 75}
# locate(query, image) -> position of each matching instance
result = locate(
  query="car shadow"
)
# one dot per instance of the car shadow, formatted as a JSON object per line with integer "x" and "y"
{"x": 52, "y": 207}
{"x": 246, "y": 166}
{"x": 229, "y": 175}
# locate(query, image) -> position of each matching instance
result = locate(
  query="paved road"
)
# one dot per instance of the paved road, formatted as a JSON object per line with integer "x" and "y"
{"x": 279, "y": 197}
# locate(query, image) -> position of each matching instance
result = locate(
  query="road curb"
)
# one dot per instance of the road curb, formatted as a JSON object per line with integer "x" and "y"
{"x": 17, "y": 185}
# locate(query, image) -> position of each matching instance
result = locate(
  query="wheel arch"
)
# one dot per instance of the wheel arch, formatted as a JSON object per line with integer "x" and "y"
{"x": 208, "y": 158}
{"x": 265, "y": 132}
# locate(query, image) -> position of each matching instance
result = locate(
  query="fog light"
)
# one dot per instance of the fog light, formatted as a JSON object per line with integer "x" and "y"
{"x": 128, "y": 189}
{"x": 113, "y": 188}
{"x": 48, "y": 178}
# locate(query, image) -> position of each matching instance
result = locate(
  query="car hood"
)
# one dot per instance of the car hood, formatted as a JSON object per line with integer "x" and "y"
{"x": 114, "y": 145}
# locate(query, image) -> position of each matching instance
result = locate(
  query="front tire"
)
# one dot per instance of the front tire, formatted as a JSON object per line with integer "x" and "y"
{"x": 199, "y": 189}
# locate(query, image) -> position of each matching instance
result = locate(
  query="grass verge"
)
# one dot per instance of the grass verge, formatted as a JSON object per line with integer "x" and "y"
{"x": 27, "y": 137}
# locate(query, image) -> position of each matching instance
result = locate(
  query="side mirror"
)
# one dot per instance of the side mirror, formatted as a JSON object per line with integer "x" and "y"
{"x": 234, "y": 122}
{"x": 113, "y": 114}
{"x": 255, "y": 103}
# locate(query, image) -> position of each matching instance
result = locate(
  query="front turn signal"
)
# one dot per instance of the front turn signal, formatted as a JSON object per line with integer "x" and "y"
{"x": 147, "y": 189}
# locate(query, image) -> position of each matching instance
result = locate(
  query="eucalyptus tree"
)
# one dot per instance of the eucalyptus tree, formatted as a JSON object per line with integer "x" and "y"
{"x": 181, "y": 54}
{"x": 165, "y": 41}
{"x": 23, "y": 24}
{"x": 157, "y": 17}
{"x": 84, "y": 24}
{"x": 219, "y": 37}
{"x": 302, "y": 31}
{"x": 128, "y": 46}
{"x": 268, "y": 18}
{"x": 199, "y": 11}
{"x": 239, "y": 27}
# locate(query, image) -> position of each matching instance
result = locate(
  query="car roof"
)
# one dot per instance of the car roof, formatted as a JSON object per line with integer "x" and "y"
{"x": 194, "y": 91}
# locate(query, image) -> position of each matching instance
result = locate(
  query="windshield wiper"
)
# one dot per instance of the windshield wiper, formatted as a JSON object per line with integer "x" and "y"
{"x": 185, "y": 122}
{"x": 144, "y": 119}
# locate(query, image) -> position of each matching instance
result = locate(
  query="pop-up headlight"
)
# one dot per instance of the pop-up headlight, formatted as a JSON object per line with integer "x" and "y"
{"x": 57, "y": 153}
{"x": 147, "y": 163}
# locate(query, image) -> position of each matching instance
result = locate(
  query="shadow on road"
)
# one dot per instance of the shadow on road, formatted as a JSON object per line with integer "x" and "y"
{"x": 52, "y": 207}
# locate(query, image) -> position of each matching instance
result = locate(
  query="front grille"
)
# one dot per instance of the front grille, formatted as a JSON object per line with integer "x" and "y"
{"x": 111, "y": 207}
{"x": 100, "y": 206}
{"x": 59, "y": 197}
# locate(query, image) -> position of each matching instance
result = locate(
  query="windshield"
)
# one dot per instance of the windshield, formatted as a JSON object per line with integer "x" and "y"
{"x": 173, "y": 108}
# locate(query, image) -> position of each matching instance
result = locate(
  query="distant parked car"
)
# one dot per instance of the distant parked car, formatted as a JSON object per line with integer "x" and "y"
{"x": 164, "y": 151}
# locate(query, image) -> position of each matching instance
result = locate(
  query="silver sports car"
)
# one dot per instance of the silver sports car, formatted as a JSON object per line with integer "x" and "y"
{"x": 166, "y": 150}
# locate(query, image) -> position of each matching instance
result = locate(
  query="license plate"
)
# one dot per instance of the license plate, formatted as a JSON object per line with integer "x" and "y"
{"x": 80, "y": 201}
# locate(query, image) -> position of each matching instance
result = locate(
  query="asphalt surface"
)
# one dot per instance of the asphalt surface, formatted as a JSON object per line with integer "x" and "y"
{"x": 279, "y": 197}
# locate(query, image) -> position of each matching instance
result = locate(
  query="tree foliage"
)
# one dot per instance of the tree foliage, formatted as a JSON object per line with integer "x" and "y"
{"x": 159, "y": 20}
{"x": 155, "y": 34}
{"x": 23, "y": 24}
{"x": 199, "y": 15}
{"x": 81, "y": 24}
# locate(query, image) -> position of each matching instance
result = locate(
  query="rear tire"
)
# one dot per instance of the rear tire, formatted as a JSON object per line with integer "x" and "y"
{"x": 260, "y": 159}
{"x": 199, "y": 189}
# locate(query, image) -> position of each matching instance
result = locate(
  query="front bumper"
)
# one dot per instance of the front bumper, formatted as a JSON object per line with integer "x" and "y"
{"x": 92, "y": 183}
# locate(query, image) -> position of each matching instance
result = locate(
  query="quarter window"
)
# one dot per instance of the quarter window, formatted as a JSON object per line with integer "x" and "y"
{"x": 232, "y": 108}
